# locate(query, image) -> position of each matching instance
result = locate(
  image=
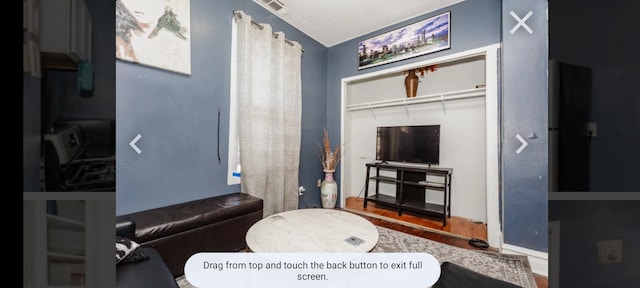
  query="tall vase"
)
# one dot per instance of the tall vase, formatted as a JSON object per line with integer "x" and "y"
{"x": 328, "y": 190}
{"x": 411, "y": 83}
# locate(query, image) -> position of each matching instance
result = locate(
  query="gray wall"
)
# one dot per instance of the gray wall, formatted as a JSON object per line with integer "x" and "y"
{"x": 177, "y": 115}
{"x": 597, "y": 35}
{"x": 582, "y": 225}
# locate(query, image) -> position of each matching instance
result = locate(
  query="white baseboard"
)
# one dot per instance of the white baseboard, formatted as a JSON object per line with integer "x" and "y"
{"x": 539, "y": 260}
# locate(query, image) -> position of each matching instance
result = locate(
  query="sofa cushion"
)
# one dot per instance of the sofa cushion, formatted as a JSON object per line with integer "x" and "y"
{"x": 170, "y": 220}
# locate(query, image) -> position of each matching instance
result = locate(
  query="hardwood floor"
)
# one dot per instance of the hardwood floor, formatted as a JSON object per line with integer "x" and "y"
{"x": 457, "y": 232}
{"x": 459, "y": 227}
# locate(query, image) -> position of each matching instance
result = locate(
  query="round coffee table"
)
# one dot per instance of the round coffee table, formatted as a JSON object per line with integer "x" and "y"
{"x": 312, "y": 230}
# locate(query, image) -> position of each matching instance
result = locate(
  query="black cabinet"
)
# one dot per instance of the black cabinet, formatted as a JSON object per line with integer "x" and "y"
{"x": 411, "y": 184}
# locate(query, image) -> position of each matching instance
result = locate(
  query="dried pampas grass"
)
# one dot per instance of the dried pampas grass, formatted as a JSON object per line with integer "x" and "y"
{"x": 328, "y": 157}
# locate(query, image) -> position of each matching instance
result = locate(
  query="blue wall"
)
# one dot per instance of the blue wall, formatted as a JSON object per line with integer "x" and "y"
{"x": 177, "y": 115}
{"x": 582, "y": 225}
{"x": 606, "y": 47}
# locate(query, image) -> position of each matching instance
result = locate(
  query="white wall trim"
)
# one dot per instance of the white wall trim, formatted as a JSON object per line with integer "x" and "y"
{"x": 539, "y": 260}
{"x": 492, "y": 171}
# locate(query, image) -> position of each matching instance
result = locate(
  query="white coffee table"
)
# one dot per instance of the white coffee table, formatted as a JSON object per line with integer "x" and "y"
{"x": 312, "y": 230}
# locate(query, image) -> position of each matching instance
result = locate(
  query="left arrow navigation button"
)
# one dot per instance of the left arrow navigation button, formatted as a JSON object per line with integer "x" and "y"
{"x": 133, "y": 143}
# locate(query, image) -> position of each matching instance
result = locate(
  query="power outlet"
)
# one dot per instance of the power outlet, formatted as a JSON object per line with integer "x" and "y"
{"x": 610, "y": 251}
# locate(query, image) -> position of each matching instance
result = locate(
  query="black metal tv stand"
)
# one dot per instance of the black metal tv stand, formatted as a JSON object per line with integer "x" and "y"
{"x": 411, "y": 183}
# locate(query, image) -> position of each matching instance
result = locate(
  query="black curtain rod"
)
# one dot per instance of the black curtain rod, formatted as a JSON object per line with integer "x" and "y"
{"x": 236, "y": 14}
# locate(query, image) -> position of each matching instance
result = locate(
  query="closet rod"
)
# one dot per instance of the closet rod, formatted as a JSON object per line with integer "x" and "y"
{"x": 237, "y": 14}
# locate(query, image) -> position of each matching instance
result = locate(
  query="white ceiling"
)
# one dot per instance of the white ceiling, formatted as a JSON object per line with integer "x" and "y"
{"x": 331, "y": 22}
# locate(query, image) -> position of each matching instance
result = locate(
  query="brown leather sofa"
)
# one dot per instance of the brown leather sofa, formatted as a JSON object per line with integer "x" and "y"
{"x": 215, "y": 224}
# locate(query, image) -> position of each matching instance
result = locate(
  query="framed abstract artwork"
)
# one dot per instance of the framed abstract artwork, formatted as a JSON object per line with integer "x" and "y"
{"x": 154, "y": 33}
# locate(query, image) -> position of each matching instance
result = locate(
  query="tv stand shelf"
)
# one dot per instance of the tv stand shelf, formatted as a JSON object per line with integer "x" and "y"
{"x": 411, "y": 184}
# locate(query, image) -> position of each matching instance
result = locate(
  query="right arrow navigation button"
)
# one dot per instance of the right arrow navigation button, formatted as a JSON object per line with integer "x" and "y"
{"x": 524, "y": 144}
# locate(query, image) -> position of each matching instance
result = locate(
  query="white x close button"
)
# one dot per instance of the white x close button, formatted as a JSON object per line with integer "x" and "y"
{"x": 521, "y": 22}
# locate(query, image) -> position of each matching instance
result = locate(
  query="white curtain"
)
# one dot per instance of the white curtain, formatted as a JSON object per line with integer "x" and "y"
{"x": 269, "y": 114}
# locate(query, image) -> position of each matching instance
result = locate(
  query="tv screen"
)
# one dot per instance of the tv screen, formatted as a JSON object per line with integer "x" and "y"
{"x": 413, "y": 144}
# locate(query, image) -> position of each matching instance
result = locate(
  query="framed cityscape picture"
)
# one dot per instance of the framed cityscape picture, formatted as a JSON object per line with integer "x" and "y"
{"x": 420, "y": 38}
{"x": 154, "y": 33}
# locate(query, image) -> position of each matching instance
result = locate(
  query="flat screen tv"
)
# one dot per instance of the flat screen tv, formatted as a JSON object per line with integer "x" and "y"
{"x": 411, "y": 144}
